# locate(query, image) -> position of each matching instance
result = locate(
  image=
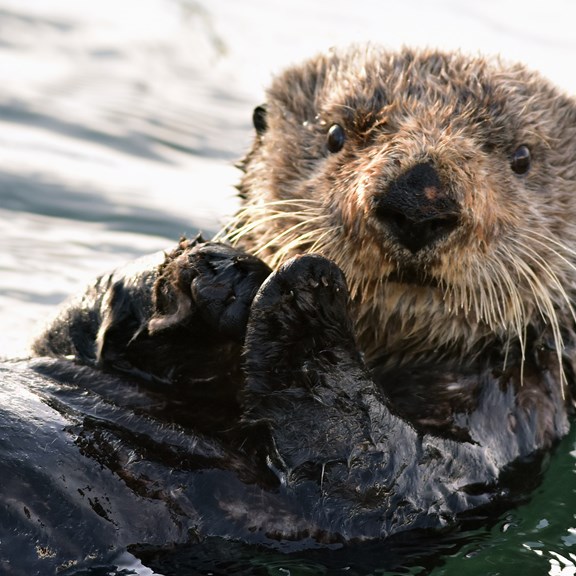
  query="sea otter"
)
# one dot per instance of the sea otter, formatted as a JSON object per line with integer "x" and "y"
{"x": 382, "y": 335}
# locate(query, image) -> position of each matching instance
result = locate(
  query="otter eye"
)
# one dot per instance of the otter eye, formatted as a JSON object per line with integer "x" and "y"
{"x": 336, "y": 138}
{"x": 259, "y": 119}
{"x": 521, "y": 160}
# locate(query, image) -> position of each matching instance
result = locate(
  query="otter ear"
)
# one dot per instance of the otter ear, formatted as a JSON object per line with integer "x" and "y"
{"x": 259, "y": 119}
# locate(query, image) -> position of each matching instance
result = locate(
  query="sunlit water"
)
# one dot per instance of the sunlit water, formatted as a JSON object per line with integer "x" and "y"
{"x": 120, "y": 121}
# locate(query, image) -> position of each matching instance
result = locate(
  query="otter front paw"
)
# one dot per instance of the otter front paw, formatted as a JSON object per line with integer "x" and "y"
{"x": 299, "y": 329}
{"x": 206, "y": 286}
{"x": 304, "y": 375}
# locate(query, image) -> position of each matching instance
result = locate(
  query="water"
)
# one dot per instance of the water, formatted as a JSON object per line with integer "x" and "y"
{"x": 120, "y": 121}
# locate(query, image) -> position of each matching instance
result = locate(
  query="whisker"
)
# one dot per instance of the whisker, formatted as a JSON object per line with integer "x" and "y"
{"x": 546, "y": 245}
{"x": 529, "y": 234}
{"x": 261, "y": 213}
{"x": 251, "y": 226}
{"x": 290, "y": 245}
{"x": 316, "y": 247}
{"x": 547, "y": 270}
{"x": 552, "y": 317}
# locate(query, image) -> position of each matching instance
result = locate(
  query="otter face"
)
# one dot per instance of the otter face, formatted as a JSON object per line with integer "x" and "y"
{"x": 444, "y": 187}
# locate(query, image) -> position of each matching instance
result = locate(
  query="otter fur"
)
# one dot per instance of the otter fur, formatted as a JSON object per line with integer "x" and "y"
{"x": 385, "y": 332}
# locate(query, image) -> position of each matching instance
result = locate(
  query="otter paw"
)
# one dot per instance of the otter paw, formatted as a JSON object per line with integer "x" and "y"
{"x": 207, "y": 286}
{"x": 310, "y": 290}
{"x": 299, "y": 320}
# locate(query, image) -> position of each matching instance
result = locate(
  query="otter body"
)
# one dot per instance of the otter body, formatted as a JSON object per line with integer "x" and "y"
{"x": 386, "y": 330}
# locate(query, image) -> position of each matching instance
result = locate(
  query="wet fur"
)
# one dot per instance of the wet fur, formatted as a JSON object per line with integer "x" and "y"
{"x": 348, "y": 388}
{"x": 309, "y": 448}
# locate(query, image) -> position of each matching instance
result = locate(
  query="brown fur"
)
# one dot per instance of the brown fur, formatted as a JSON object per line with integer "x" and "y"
{"x": 507, "y": 270}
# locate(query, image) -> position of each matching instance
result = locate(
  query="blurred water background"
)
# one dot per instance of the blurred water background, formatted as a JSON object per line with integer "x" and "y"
{"x": 120, "y": 122}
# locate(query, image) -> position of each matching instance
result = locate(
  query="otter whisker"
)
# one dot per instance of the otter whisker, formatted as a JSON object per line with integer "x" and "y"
{"x": 546, "y": 244}
{"x": 287, "y": 232}
{"x": 516, "y": 317}
{"x": 318, "y": 246}
{"x": 542, "y": 297}
{"x": 559, "y": 288}
{"x": 551, "y": 316}
{"x": 492, "y": 286}
{"x": 518, "y": 312}
{"x": 493, "y": 289}
{"x": 293, "y": 245}
{"x": 549, "y": 272}
{"x": 484, "y": 289}
{"x": 290, "y": 202}
{"x": 258, "y": 214}
{"x": 254, "y": 223}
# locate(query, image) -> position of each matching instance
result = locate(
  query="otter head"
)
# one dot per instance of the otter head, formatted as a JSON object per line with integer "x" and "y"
{"x": 444, "y": 186}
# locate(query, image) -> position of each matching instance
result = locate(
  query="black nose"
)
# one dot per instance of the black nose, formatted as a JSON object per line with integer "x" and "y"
{"x": 415, "y": 208}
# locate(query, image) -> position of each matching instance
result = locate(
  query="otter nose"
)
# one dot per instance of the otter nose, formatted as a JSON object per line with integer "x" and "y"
{"x": 415, "y": 209}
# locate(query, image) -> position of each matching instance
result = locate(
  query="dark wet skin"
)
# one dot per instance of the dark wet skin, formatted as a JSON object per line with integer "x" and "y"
{"x": 217, "y": 398}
